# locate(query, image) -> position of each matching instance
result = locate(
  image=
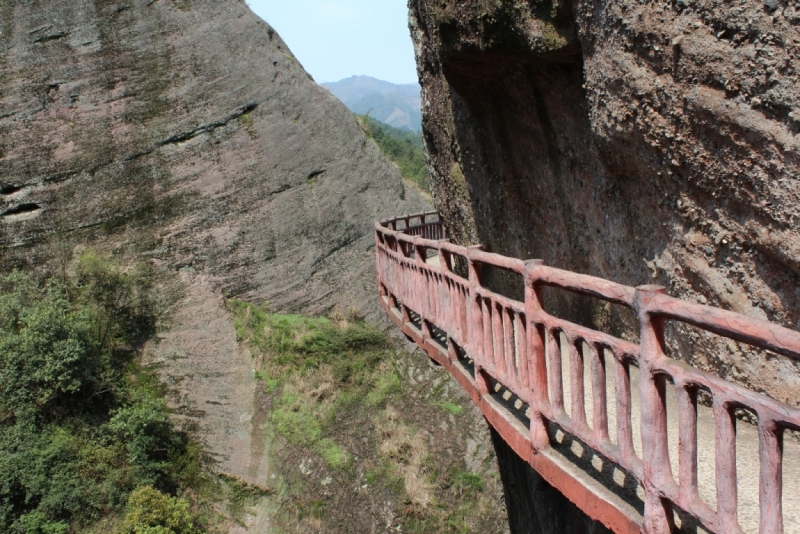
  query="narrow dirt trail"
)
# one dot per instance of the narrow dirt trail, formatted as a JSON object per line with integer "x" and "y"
{"x": 212, "y": 386}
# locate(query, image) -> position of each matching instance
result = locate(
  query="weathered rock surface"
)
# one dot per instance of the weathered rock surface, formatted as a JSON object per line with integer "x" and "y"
{"x": 642, "y": 141}
{"x": 185, "y": 130}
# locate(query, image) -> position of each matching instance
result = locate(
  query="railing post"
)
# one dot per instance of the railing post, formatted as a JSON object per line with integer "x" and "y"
{"x": 445, "y": 264}
{"x": 658, "y": 518}
{"x": 445, "y": 258}
{"x": 537, "y": 369}
{"x": 408, "y": 284}
{"x": 475, "y": 320}
{"x": 378, "y": 263}
{"x": 420, "y": 252}
{"x": 771, "y": 479}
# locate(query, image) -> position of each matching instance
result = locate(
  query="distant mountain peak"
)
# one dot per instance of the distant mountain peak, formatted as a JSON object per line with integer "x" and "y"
{"x": 398, "y": 105}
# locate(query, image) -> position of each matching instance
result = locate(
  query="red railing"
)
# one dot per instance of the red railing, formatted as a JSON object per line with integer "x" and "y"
{"x": 520, "y": 346}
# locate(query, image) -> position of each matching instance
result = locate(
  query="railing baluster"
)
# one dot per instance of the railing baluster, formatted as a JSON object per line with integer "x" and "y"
{"x": 433, "y": 294}
{"x": 435, "y": 300}
{"x": 447, "y": 313}
{"x": 411, "y": 299}
{"x": 508, "y": 349}
{"x": 521, "y": 339}
{"x": 577, "y": 394}
{"x": 622, "y": 382}
{"x": 554, "y": 372}
{"x": 497, "y": 339}
{"x": 488, "y": 332}
{"x": 771, "y": 477}
{"x": 725, "y": 452}
{"x": 459, "y": 312}
{"x": 687, "y": 442}
{"x": 465, "y": 296}
{"x": 438, "y": 291}
{"x": 476, "y": 336}
{"x": 455, "y": 310}
{"x": 599, "y": 397}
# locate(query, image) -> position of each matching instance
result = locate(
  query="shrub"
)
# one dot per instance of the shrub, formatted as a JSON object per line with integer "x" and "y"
{"x": 151, "y": 512}
{"x": 76, "y": 434}
{"x": 50, "y": 355}
{"x": 65, "y": 342}
{"x": 145, "y": 429}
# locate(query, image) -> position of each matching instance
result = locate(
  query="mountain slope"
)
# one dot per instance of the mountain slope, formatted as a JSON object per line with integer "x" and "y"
{"x": 185, "y": 134}
{"x": 190, "y": 133}
{"x": 393, "y": 104}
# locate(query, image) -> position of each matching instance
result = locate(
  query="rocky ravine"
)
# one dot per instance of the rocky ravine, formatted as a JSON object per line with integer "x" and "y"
{"x": 187, "y": 131}
{"x": 643, "y": 141}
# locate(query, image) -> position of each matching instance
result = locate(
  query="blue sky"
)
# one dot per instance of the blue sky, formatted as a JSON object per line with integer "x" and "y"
{"x": 336, "y": 39}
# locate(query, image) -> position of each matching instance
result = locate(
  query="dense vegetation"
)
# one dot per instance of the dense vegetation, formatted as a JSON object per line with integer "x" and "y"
{"x": 402, "y": 147}
{"x": 87, "y": 444}
{"x": 84, "y": 432}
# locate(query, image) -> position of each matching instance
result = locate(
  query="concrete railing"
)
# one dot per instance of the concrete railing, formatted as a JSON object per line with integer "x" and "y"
{"x": 491, "y": 343}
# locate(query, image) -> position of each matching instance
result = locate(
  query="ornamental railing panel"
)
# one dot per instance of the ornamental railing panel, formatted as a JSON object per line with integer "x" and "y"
{"x": 500, "y": 349}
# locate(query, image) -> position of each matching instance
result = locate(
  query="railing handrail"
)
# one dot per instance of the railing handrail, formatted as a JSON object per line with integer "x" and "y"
{"x": 520, "y": 345}
{"x": 751, "y": 330}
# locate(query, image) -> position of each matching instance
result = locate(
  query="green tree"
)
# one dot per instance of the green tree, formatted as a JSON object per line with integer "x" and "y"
{"x": 49, "y": 353}
{"x": 403, "y": 147}
{"x": 77, "y": 433}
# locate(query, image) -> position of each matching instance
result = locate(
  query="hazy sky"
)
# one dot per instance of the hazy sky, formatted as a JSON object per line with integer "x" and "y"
{"x": 336, "y": 39}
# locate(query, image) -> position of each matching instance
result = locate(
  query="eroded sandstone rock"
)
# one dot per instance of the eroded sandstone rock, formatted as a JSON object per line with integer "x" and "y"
{"x": 637, "y": 140}
{"x": 185, "y": 130}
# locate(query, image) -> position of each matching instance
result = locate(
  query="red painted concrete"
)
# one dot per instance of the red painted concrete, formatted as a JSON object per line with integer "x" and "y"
{"x": 518, "y": 345}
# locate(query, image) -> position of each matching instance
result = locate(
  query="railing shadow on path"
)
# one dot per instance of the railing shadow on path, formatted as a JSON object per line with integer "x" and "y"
{"x": 617, "y": 427}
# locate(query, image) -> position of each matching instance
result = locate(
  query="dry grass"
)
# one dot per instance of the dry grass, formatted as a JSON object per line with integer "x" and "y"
{"x": 309, "y": 525}
{"x": 344, "y": 318}
{"x": 406, "y": 451}
{"x": 318, "y": 387}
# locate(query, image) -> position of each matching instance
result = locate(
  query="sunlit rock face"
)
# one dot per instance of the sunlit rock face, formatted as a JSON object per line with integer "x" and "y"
{"x": 186, "y": 131}
{"x": 640, "y": 141}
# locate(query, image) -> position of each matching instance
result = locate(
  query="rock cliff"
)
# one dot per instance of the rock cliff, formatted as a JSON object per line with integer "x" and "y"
{"x": 186, "y": 131}
{"x": 642, "y": 141}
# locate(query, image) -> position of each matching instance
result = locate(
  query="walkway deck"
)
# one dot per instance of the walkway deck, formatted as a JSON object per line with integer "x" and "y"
{"x": 520, "y": 365}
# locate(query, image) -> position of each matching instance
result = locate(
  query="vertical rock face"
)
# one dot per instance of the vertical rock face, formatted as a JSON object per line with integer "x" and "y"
{"x": 185, "y": 130}
{"x": 641, "y": 141}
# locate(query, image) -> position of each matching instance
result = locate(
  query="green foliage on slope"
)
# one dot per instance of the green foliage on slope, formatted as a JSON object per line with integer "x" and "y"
{"x": 337, "y": 396}
{"x": 402, "y": 147}
{"x": 80, "y": 425}
{"x": 152, "y": 512}
{"x": 321, "y": 366}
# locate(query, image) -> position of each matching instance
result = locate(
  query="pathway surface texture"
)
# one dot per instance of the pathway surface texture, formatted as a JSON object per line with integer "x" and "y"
{"x": 212, "y": 386}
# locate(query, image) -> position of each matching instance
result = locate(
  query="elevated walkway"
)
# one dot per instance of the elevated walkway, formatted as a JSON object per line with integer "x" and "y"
{"x": 637, "y": 440}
